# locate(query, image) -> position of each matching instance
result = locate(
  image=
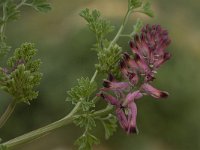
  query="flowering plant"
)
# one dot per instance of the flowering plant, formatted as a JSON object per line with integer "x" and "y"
{"x": 130, "y": 77}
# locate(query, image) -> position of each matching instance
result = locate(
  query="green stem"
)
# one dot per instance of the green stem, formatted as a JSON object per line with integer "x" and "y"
{"x": 7, "y": 113}
{"x": 103, "y": 112}
{"x": 2, "y": 29}
{"x": 47, "y": 129}
{"x": 94, "y": 76}
{"x": 42, "y": 131}
{"x": 121, "y": 29}
{"x": 51, "y": 127}
{"x": 23, "y": 2}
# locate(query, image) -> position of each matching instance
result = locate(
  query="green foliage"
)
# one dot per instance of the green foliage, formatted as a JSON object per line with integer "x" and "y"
{"x": 137, "y": 27}
{"x": 39, "y": 5}
{"x": 85, "y": 120}
{"x": 140, "y": 6}
{"x": 132, "y": 4}
{"x": 11, "y": 11}
{"x": 82, "y": 93}
{"x": 110, "y": 125}
{"x": 96, "y": 24}
{"x": 108, "y": 59}
{"x": 22, "y": 74}
{"x": 86, "y": 141}
{"x": 146, "y": 9}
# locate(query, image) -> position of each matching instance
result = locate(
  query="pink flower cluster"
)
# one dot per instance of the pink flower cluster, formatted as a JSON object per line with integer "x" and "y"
{"x": 149, "y": 49}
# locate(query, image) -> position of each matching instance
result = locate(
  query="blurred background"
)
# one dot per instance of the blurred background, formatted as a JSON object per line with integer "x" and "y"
{"x": 64, "y": 44}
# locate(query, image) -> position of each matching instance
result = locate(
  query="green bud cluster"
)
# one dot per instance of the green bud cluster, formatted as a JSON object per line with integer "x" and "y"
{"x": 22, "y": 74}
{"x": 108, "y": 59}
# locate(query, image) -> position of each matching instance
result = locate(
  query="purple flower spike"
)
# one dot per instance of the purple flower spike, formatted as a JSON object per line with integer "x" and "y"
{"x": 149, "y": 49}
{"x": 147, "y": 88}
{"x": 138, "y": 71}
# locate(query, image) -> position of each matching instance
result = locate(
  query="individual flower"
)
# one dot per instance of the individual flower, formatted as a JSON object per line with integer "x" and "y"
{"x": 125, "y": 108}
{"x": 148, "y": 89}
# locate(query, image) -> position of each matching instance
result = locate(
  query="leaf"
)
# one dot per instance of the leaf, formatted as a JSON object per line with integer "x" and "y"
{"x": 132, "y": 4}
{"x": 85, "y": 121}
{"x": 11, "y": 11}
{"x": 137, "y": 27}
{"x": 147, "y": 9}
{"x": 96, "y": 24}
{"x": 40, "y": 5}
{"x": 82, "y": 92}
{"x": 86, "y": 141}
{"x": 110, "y": 125}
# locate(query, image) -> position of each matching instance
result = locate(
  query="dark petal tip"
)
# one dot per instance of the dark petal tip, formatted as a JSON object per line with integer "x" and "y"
{"x": 122, "y": 64}
{"x": 101, "y": 95}
{"x": 137, "y": 58}
{"x": 106, "y": 83}
{"x": 131, "y": 43}
{"x": 136, "y": 38}
{"x": 131, "y": 130}
{"x": 164, "y": 94}
{"x": 110, "y": 77}
{"x": 126, "y": 56}
{"x": 167, "y": 56}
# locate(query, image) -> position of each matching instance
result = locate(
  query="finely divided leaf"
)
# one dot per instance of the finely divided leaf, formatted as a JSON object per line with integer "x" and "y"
{"x": 132, "y": 4}
{"x": 110, "y": 126}
{"x": 82, "y": 93}
{"x": 147, "y": 9}
{"x": 96, "y": 24}
{"x": 86, "y": 141}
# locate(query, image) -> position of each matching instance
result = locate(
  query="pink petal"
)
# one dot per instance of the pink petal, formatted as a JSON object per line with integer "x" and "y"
{"x": 110, "y": 99}
{"x": 131, "y": 97}
{"x": 147, "y": 88}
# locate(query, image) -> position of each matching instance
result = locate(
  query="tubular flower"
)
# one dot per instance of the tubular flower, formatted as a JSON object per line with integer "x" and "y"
{"x": 138, "y": 71}
{"x": 147, "y": 88}
{"x": 126, "y": 109}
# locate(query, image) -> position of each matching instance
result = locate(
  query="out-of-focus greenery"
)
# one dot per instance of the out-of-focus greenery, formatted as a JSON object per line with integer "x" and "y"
{"x": 64, "y": 46}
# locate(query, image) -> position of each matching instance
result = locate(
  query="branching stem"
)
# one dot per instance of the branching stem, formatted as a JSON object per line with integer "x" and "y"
{"x": 121, "y": 29}
{"x": 69, "y": 118}
{"x": 7, "y": 113}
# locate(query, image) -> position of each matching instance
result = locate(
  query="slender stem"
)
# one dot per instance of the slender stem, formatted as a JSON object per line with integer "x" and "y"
{"x": 103, "y": 112}
{"x": 47, "y": 129}
{"x": 2, "y": 29}
{"x": 23, "y": 2}
{"x": 7, "y": 113}
{"x": 69, "y": 118}
{"x": 42, "y": 131}
{"x": 94, "y": 76}
{"x": 120, "y": 29}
